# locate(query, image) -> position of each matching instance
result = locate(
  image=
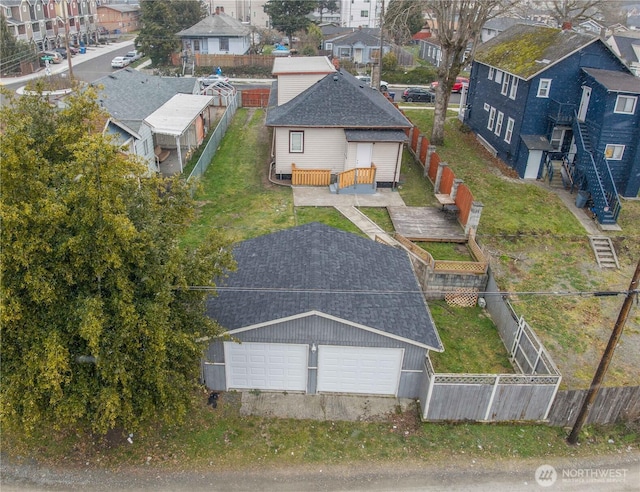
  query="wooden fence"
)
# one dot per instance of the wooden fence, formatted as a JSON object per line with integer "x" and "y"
{"x": 310, "y": 177}
{"x": 254, "y": 98}
{"x": 464, "y": 201}
{"x": 230, "y": 61}
{"x": 526, "y": 395}
{"x": 446, "y": 182}
{"x": 358, "y": 175}
{"x": 611, "y": 405}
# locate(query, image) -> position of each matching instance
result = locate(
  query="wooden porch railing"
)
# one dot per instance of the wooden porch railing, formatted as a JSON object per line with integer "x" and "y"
{"x": 310, "y": 177}
{"x": 358, "y": 175}
{"x": 479, "y": 266}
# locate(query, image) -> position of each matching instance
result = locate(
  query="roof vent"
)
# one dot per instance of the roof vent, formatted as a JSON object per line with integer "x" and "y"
{"x": 335, "y": 78}
{"x": 111, "y": 76}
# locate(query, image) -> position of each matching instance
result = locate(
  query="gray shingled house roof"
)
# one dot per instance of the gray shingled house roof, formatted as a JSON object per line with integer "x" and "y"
{"x": 359, "y": 36}
{"x": 626, "y": 46}
{"x": 130, "y": 96}
{"x": 315, "y": 267}
{"x": 615, "y": 81}
{"x": 215, "y": 26}
{"x": 338, "y": 100}
{"x": 525, "y": 50}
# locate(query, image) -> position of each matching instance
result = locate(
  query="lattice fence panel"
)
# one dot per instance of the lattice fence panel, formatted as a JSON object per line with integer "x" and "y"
{"x": 462, "y": 298}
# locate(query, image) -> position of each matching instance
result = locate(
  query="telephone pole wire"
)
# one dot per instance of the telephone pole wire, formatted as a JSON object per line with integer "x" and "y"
{"x": 606, "y": 357}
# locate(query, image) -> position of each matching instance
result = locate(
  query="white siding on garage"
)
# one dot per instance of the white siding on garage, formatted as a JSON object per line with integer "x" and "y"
{"x": 324, "y": 148}
{"x": 289, "y": 86}
{"x": 365, "y": 370}
{"x": 266, "y": 366}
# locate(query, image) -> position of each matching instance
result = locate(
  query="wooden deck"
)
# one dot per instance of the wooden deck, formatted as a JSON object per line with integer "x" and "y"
{"x": 427, "y": 224}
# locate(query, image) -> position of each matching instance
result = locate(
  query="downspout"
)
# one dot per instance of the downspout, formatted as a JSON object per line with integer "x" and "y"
{"x": 395, "y": 171}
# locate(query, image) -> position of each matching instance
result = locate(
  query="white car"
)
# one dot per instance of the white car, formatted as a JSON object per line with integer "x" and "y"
{"x": 212, "y": 79}
{"x": 120, "y": 62}
{"x": 367, "y": 80}
{"x": 133, "y": 55}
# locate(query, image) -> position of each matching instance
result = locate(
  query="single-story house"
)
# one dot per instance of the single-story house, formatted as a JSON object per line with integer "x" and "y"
{"x": 361, "y": 46}
{"x": 130, "y": 97}
{"x": 215, "y": 35}
{"x": 314, "y": 309}
{"x": 326, "y": 119}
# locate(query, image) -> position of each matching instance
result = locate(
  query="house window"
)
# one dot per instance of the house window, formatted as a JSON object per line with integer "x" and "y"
{"x": 544, "y": 87}
{"x": 196, "y": 45}
{"x": 224, "y": 44}
{"x": 328, "y": 46}
{"x": 492, "y": 118}
{"x": 509, "y": 131}
{"x": 499, "y": 123}
{"x": 345, "y": 52}
{"x": 145, "y": 146}
{"x": 491, "y": 72}
{"x": 505, "y": 85}
{"x": 626, "y": 104}
{"x": 614, "y": 152}
{"x": 514, "y": 88}
{"x": 499, "y": 74}
{"x": 364, "y": 13}
{"x": 296, "y": 142}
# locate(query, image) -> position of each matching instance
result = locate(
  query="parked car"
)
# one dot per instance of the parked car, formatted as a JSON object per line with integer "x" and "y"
{"x": 212, "y": 79}
{"x": 62, "y": 51}
{"x": 366, "y": 79}
{"x": 418, "y": 94}
{"x": 120, "y": 62}
{"x": 133, "y": 55}
{"x": 51, "y": 56}
{"x": 457, "y": 86}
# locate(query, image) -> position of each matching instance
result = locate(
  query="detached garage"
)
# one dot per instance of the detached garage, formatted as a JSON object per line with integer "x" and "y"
{"x": 314, "y": 309}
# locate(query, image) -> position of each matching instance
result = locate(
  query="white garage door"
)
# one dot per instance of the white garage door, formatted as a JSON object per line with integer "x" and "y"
{"x": 372, "y": 371}
{"x": 267, "y": 366}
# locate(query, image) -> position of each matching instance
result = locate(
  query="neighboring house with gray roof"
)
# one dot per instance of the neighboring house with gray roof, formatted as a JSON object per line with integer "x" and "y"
{"x": 130, "y": 96}
{"x": 553, "y": 102}
{"x": 497, "y": 25}
{"x": 359, "y": 46}
{"x": 215, "y": 35}
{"x": 320, "y": 310}
{"x": 627, "y": 47}
{"x": 329, "y": 120}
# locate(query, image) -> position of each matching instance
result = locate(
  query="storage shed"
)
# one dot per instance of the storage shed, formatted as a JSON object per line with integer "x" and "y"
{"x": 314, "y": 309}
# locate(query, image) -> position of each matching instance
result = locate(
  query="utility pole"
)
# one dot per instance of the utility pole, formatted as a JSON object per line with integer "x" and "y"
{"x": 378, "y": 81}
{"x": 606, "y": 357}
{"x": 66, "y": 37}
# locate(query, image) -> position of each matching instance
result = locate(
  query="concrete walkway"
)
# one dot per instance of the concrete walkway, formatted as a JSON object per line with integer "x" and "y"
{"x": 323, "y": 407}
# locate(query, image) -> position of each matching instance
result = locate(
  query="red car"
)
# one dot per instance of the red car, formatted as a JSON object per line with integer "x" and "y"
{"x": 457, "y": 86}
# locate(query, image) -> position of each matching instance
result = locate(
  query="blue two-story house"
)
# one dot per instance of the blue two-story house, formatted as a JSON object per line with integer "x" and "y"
{"x": 539, "y": 95}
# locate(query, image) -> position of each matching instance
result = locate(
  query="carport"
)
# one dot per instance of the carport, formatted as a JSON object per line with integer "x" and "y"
{"x": 181, "y": 122}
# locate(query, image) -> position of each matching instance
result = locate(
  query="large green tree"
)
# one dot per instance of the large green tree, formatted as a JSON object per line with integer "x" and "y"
{"x": 97, "y": 323}
{"x": 12, "y": 51}
{"x": 289, "y": 16}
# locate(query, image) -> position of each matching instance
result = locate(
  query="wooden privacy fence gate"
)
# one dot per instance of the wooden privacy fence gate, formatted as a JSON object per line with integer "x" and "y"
{"x": 310, "y": 177}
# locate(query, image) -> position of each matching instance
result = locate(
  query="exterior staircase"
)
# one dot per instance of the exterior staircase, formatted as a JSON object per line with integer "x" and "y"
{"x": 604, "y": 251}
{"x": 600, "y": 183}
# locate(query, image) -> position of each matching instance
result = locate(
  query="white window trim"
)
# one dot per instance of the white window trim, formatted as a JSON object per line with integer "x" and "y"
{"x": 492, "y": 119}
{"x": 491, "y": 72}
{"x": 614, "y": 156}
{"x": 508, "y": 133}
{"x": 292, "y": 148}
{"x": 514, "y": 88}
{"x": 505, "y": 85}
{"x": 544, "y": 91}
{"x": 499, "y": 74}
{"x": 499, "y": 123}
{"x": 633, "y": 108}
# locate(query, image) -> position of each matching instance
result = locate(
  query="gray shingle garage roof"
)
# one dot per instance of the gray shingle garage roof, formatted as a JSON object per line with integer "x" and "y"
{"x": 315, "y": 267}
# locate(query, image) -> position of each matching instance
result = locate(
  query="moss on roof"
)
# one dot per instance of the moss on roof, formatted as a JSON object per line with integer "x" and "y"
{"x": 521, "y": 49}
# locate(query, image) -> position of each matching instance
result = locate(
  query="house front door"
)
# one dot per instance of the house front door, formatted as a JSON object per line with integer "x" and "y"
{"x": 364, "y": 151}
{"x": 584, "y": 103}
{"x": 357, "y": 55}
{"x": 533, "y": 164}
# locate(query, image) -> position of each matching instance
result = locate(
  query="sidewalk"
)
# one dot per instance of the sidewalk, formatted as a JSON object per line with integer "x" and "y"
{"x": 92, "y": 52}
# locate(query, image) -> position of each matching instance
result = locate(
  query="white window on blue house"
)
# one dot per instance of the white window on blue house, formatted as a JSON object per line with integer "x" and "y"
{"x": 544, "y": 87}
{"x": 499, "y": 123}
{"x": 626, "y": 104}
{"x": 614, "y": 152}
{"x": 345, "y": 52}
{"x": 509, "y": 131}
{"x": 514, "y": 88}
{"x": 499, "y": 74}
{"x": 328, "y": 46}
{"x": 505, "y": 85}
{"x": 492, "y": 118}
{"x": 296, "y": 142}
{"x": 491, "y": 72}
{"x": 224, "y": 44}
